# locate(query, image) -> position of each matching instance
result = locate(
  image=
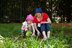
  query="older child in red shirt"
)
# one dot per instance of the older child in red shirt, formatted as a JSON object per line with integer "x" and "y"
{"x": 42, "y": 23}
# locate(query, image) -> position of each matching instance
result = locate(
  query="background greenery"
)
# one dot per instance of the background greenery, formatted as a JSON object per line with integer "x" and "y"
{"x": 16, "y": 10}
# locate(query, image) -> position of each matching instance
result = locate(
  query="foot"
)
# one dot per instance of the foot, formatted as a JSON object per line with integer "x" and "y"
{"x": 44, "y": 38}
{"x": 33, "y": 34}
{"x": 44, "y": 35}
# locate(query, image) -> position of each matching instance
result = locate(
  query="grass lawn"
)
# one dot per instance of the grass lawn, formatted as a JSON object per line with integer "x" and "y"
{"x": 61, "y": 37}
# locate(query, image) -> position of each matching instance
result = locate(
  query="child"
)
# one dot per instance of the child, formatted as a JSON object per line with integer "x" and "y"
{"x": 28, "y": 25}
{"x": 42, "y": 23}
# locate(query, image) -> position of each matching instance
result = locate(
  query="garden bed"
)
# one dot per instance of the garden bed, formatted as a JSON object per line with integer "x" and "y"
{"x": 62, "y": 24}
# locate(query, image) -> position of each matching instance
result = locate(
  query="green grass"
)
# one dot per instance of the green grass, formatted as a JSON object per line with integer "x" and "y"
{"x": 11, "y": 32}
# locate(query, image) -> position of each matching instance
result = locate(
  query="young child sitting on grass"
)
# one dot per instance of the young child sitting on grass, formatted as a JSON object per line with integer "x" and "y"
{"x": 28, "y": 25}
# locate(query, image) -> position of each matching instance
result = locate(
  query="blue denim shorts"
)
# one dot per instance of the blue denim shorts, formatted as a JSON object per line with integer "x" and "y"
{"x": 45, "y": 27}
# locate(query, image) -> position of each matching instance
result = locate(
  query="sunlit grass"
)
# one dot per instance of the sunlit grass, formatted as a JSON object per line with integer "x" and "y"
{"x": 12, "y": 38}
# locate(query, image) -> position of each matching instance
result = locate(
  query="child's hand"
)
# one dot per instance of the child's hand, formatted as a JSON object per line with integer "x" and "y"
{"x": 25, "y": 29}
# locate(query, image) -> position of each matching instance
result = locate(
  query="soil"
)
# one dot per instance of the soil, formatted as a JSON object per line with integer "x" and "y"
{"x": 67, "y": 25}
{"x": 62, "y": 24}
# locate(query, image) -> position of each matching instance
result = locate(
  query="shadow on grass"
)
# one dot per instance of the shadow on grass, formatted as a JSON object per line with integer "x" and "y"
{"x": 10, "y": 30}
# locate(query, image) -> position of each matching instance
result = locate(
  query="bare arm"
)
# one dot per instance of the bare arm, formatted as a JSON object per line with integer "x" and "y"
{"x": 36, "y": 27}
{"x": 48, "y": 21}
{"x": 24, "y": 26}
{"x": 33, "y": 28}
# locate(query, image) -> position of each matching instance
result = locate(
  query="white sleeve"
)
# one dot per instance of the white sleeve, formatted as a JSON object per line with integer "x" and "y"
{"x": 25, "y": 24}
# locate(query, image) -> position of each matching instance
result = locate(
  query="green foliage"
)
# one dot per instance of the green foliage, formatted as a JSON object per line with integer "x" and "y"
{"x": 29, "y": 33}
{"x": 11, "y": 31}
{"x": 34, "y": 43}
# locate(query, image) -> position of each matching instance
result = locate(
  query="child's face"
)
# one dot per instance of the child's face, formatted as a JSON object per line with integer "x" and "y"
{"x": 29, "y": 21}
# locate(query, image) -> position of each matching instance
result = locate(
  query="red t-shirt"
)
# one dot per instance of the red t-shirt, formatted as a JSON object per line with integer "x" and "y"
{"x": 45, "y": 17}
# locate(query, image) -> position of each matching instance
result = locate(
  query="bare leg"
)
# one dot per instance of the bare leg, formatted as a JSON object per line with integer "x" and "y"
{"x": 23, "y": 34}
{"x": 44, "y": 35}
{"x": 48, "y": 34}
{"x": 33, "y": 34}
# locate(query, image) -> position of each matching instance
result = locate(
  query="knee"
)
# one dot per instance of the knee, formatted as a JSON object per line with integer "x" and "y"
{"x": 48, "y": 27}
{"x": 42, "y": 27}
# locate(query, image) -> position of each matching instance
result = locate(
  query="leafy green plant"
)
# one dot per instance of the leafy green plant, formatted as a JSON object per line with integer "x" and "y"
{"x": 57, "y": 40}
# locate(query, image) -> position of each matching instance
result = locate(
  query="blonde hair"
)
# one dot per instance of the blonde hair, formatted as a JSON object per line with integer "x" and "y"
{"x": 41, "y": 14}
